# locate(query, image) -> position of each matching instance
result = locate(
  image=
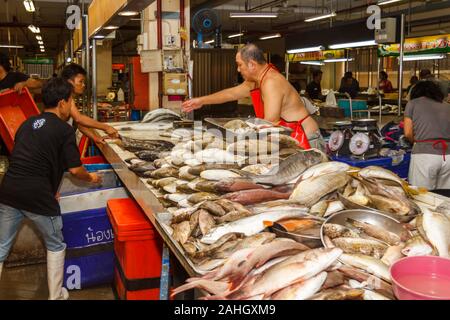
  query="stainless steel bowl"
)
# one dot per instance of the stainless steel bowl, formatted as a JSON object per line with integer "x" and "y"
{"x": 352, "y": 205}
{"x": 310, "y": 241}
{"x": 369, "y": 216}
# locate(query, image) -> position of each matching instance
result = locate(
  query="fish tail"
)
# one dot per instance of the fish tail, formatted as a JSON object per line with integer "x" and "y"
{"x": 413, "y": 191}
{"x": 268, "y": 223}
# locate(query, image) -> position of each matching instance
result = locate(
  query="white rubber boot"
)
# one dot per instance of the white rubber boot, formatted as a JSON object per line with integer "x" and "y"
{"x": 1, "y": 267}
{"x": 55, "y": 275}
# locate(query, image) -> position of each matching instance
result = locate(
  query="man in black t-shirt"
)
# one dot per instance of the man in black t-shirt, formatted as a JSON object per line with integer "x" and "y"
{"x": 45, "y": 147}
{"x": 314, "y": 89}
{"x": 14, "y": 80}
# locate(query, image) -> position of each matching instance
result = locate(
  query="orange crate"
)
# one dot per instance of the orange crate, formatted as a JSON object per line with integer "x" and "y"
{"x": 138, "y": 250}
{"x": 14, "y": 110}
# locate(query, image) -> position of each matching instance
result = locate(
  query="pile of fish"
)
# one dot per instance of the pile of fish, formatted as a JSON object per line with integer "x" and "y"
{"x": 240, "y": 127}
{"x": 221, "y": 198}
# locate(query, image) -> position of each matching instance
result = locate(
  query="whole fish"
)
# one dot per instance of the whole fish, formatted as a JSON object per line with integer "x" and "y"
{"x": 201, "y": 196}
{"x": 184, "y": 188}
{"x": 247, "y": 197}
{"x": 252, "y": 147}
{"x": 185, "y": 175}
{"x": 392, "y": 254}
{"x": 334, "y": 279}
{"x": 218, "y": 175}
{"x": 389, "y": 205}
{"x": 142, "y": 167}
{"x": 218, "y": 156}
{"x": 247, "y": 242}
{"x": 248, "y": 226}
{"x": 204, "y": 186}
{"x": 176, "y": 197}
{"x": 368, "y": 264}
{"x": 205, "y": 221}
{"x": 333, "y": 207}
{"x": 183, "y": 214}
{"x": 324, "y": 168}
{"x": 236, "y": 184}
{"x": 437, "y": 230}
{"x": 217, "y": 245}
{"x": 164, "y": 173}
{"x": 213, "y": 208}
{"x": 150, "y": 116}
{"x": 361, "y": 246}
{"x": 233, "y": 216}
{"x": 198, "y": 169}
{"x": 147, "y": 155}
{"x": 181, "y": 231}
{"x": 302, "y": 290}
{"x": 309, "y": 192}
{"x": 319, "y": 209}
{"x": 417, "y": 246}
{"x": 257, "y": 169}
{"x": 284, "y": 274}
{"x": 290, "y": 168}
{"x": 377, "y": 232}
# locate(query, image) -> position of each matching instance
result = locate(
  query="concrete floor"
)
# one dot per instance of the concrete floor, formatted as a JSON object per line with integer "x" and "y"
{"x": 30, "y": 283}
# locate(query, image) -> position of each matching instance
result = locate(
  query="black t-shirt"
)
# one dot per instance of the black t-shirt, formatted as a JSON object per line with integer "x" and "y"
{"x": 45, "y": 147}
{"x": 314, "y": 90}
{"x": 11, "y": 79}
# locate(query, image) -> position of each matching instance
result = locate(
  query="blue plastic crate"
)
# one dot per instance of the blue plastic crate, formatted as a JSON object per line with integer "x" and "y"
{"x": 87, "y": 228}
{"x": 356, "y": 105}
{"x": 87, "y": 270}
{"x": 401, "y": 169}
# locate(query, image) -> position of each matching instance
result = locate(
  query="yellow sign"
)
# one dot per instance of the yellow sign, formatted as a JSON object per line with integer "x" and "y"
{"x": 315, "y": 56}
{"x": 424, "y": 45}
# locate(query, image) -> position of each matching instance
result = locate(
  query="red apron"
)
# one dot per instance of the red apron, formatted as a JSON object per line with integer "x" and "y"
{"x": 258, "y": 105}
{"x": 437, "y": 142}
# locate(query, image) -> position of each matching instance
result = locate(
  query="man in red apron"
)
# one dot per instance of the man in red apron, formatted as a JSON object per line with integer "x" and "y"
{"x": 274, "y": 99}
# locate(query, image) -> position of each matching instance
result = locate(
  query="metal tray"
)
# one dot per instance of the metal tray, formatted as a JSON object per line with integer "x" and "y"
{"x": 218, "y": 124}
{"x": 369, "y": 216}
{"x": 351, "y": 205}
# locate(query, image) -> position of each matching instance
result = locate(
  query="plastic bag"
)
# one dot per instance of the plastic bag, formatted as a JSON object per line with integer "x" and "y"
{"x": 331, "y": 100}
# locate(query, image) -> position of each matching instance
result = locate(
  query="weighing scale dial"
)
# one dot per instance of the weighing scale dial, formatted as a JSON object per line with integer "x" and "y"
{"x": 336, "y": 140}
{"x": 359, "y": 144}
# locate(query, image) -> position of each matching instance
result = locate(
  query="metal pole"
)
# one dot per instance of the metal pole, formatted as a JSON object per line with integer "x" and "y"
{"x": 400, "y": 84}
{"x": 378, "y": 89}
{"x": 287, "y": 69}
{"x": 94, "y": 79}
{"x": 87, "y": 67}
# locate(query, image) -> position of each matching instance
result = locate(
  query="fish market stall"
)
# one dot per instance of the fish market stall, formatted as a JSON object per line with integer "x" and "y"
{"x": 259, "y": 218}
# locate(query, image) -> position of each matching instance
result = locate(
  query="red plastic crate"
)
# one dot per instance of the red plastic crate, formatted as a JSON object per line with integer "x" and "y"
{"x": 138, "y": 250}
{"x": 14, "y": 110}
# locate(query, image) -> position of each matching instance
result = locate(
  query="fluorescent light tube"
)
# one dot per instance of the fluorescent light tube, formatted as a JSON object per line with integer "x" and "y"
{"x": 42, "y": 50}
{"x": 34, "y": 29}
{"x": 29, "y": 5}
{"x": 424, "y": 57}
{"x": 312, "y": 63}
{"x": 38, "y": 37}
{"x": 128, "y": 13}
{"x": 253, "y": 15}
{"x": 353, "y": 44}
{"x": 11, "y": 46}
{"x": 99, "y": 37}
{"x": 235, "y": 35}
{"x": 324, "y": 16}
{"x": 270, "y": 36}
{"x": 40, "y": 42}
{"x": 210, "y": 41}
{"x": 42, "y": 47}
{"x": 382, "y": 3}
{"x": 302, "y": 50}
{"x": 338, "y": 60}
{"x": 111, "y": 27}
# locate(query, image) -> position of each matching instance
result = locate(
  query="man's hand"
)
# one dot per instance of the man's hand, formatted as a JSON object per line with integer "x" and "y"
{"x": 191, "y": 105}
{"x": 112, "y": 133}
{"x": 95, "y": 178}
{"x": 19, "y": 87}
{"x": 99, "y": 140}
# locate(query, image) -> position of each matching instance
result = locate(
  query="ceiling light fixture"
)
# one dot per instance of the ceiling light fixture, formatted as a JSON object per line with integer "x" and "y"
{"x": 235, "y": 35}
{"x": 353, "y": 44}
{"x": 11, "y": 46}
{"x": 29, "y": 5}
{"x": 313, "y": 63}
{"x": 42, "y": 50}
{"x": 338, "y": 60}
{"x": 324, "y": 16}
{"x": 128, "y": 13}
{"x": 99, "y": 37}
{"x": 111, "y": 27}
{"x": 268, "y": 15}
{"x": 38, "y": 37}
{"x": 42, "y": 47}
{"x": 424, "y": 57}
{"x": 382, "y": 3}
{"x": 34, "y": 29}
{"x": 271, "y": 36}
{"x": 40, "y": 42}
{"x": 302, "y": 50}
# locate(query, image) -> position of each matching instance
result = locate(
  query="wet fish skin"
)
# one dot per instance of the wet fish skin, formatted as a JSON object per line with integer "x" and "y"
{"x": 218, "y": 175}
{"x": 214, "y": 247}
{"x": 302, "y": 290}
{"x": 324, "y": 168}
{"x": 376, "y": 232}
{"x": 437, "y": 229}
{"x": 339, "y": 294}
{"x": 235, "y": 184}
{"x": 142, "y": 167}
{"x": 361, "y": 246}
{"x": 417, "y": 246}
{"x": 213, "y": 208}
{"x": 392, "y": 254}
{"x": 206, "y": 186}
{"x": 336, "y": 231}
{"x": 367, "y": 263}
{"x": 334, "y": 279}
{"x": 198, "y": 169}
{"x": 232, "y": 216}
{"x": 185, "y": 175}
{"x": 181, "y": 232}
{"x": 205, "y": 221}
{"x": 389, "y": 205}
{"x": 164, "y": 173}
{"x": 202, "y": 196}
{"x": 248, "y": 197}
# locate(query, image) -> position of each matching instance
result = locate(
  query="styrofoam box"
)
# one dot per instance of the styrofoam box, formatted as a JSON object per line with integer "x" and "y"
{"x": 90, "y": 200}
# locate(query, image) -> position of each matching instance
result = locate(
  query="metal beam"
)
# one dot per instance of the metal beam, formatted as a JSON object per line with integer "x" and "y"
{"x": 209, "y": 5}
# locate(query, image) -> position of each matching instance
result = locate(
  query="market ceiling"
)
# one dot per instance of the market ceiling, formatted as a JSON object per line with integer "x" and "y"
{"x": 292, "y": 13}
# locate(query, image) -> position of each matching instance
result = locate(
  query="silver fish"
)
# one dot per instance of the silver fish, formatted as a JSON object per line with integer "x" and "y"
{"x": 302, "y": 290}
